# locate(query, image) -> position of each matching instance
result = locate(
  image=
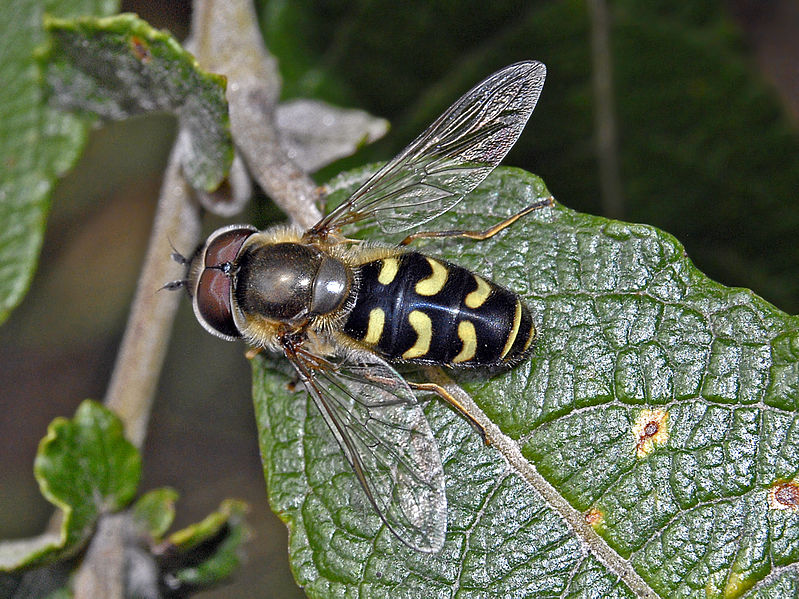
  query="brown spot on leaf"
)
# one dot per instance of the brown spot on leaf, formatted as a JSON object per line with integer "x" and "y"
{"x": 650, "y": 429}
{"x": 784, "y": 495}
{"x": 140, "y": 49}
{"x": 594, "y": 517}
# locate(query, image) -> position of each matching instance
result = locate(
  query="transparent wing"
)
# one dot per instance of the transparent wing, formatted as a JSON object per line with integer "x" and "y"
{"x": 387, "y": 440}
{"x": 450, "y": 158}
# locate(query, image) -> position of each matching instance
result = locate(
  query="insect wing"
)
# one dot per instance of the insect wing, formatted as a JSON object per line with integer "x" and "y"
{"x": 450, "y": 158}
{"x": 387, "y": 440}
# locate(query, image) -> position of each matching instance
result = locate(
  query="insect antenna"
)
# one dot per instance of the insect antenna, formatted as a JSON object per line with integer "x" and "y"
{"x": 180, "y": 258}
{"x": 183, "y": 260}
{"x": 177, "y": 256}
{"x": 172, "y": 285}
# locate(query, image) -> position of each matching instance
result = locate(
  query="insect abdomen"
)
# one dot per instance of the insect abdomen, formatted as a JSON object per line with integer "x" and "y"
{"x": 414, "y": 308}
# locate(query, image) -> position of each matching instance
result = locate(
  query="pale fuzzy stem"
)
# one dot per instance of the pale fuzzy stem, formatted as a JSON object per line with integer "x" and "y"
{"x": 138, "y": 366}
{"x": 253, "y": 91}
{"x": 228, "y": 41}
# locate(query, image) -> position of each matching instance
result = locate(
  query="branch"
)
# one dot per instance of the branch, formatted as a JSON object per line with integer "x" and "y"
{"x": 228, "y": 41}
{"x": 138, "y": 366}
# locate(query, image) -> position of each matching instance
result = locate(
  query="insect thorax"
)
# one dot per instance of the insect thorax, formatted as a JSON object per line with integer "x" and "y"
{"x": 289, "y": 282}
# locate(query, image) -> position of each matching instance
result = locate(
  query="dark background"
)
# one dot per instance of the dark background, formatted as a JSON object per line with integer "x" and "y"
{"x": 707, "y": 100}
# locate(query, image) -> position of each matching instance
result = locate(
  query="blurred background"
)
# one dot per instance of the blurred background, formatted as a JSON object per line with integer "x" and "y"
{"x": 705, "y": 97}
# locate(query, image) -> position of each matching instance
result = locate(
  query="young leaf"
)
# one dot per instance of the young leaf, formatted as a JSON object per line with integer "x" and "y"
{"x": 316, "y": 134}
{"x": 120, "y": 66}
{"x": 37, "y": 143}
{"x": 658, "y": 404}
{"x": 86, "y": 467}
{"x": 208, "y": 552}
{"x": 154, "y": 511}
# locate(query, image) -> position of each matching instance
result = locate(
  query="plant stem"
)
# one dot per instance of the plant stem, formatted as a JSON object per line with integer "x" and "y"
{"x": 228, "y": 41}
{"x": 138, "y": 366}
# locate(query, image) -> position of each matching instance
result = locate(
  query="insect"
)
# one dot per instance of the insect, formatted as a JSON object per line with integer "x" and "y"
{"x": 344, "y": 311}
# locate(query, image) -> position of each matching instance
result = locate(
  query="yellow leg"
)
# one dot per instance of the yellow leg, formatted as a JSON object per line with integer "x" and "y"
{"x": 252, "y": 352}
{"x": 480, "y": 235}
{"x": 447, "y": 396}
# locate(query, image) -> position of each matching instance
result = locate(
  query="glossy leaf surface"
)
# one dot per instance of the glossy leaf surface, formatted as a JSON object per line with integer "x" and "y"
{"x": 658, "y": 404}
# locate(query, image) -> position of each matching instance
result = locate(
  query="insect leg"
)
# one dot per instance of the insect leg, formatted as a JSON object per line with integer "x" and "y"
{"x": 252, "y": 352}
{"x": 450, "y": 399}
{"x": 480, "y": 235}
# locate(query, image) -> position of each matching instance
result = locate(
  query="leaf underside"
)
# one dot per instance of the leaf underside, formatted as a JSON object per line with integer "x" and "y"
{"x": 118, "y": 67}
{"x": 37, "y": 142}
{"x": 629, "y": 331}
{"x": 212, "y": 547}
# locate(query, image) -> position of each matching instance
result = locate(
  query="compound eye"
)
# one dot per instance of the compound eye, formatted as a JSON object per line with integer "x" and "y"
{"x": 213, "y": 296}
{"x": 224, "y": 244}
{"x": 213, "y": 303}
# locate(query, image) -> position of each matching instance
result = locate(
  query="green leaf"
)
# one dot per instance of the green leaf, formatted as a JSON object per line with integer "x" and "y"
{"x": 85, "y": 467}
{"x": 658, "y": 404}
{"x": 210, "y": 551}
{"x": 120, "y": 66}
{"x": 154, "y": 511}
{"x": 37, "y": 143}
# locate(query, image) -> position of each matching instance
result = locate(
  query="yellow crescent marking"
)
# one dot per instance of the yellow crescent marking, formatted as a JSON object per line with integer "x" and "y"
{"x": 530, "y": 338}
{"x": 468, "y": 336}
{"x": 388, "y": 271}
{"x": 517, "y": 320}
{"x": 435, "y": 282}
{"x": 377, "y": 318}
{"x": 423, "y": 326}
{"x": 477, "y": 298}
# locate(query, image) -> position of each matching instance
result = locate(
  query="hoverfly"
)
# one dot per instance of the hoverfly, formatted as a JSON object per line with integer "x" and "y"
{"x": 343, "y": 311}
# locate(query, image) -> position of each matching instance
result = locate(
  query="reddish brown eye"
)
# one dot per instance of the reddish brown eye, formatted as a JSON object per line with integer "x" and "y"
{"x": 213, "y": 284}
{"x": 213, "y": 302}
{"x": 225, "y": 246}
